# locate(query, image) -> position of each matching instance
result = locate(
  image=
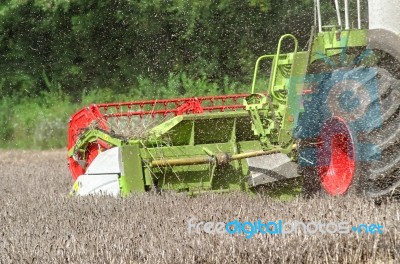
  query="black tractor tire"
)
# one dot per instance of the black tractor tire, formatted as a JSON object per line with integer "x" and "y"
{"x": 373, "y": 173}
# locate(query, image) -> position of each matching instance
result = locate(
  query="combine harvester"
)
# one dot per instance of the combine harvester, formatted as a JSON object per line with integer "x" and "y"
{"x": 329, "y": 114}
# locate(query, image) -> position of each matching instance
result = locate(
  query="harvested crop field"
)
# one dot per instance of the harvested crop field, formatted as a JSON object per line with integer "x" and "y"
{"x": 40, "y": 223}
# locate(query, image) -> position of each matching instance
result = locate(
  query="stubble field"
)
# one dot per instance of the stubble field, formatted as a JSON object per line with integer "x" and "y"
{"x": 40, "y": 223}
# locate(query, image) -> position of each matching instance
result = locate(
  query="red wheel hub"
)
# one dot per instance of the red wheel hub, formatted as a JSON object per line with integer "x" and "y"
{"x": 336, "y": 156}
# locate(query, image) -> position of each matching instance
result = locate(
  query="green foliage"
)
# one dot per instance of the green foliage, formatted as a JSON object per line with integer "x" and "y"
{"x": 96, "y": 44}
{"x": 36, "y": 122}
{"x": 57, "y": 55}
{"x": 41, "y": 122}
{"x": 6, "y": 117}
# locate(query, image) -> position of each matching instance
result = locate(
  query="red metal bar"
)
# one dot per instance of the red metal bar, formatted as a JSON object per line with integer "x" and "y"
{"x": 175, "y": 100}
{"x": 171, "y": 111}
{"x": 175, "y": 106}
{"x": 141, "y": 113}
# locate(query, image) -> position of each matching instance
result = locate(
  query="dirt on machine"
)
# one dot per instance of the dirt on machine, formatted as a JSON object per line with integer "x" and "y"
{"x": 327, "y": 115}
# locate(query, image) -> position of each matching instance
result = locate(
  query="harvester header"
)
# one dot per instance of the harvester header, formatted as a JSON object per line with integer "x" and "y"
{"x": 327, "y": 115}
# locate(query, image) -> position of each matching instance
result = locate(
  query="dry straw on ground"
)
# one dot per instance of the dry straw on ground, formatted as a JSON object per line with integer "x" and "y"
{"x": 39, "y": 223}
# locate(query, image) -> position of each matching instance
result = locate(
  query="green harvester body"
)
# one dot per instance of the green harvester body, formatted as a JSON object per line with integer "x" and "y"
{"x": 208, "y": 151}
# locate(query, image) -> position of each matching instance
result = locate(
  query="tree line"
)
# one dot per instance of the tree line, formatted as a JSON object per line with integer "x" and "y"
{"x": 76, "y": 45}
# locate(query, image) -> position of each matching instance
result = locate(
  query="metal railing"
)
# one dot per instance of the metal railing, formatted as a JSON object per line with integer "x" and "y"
{"x": 318, "y": 16}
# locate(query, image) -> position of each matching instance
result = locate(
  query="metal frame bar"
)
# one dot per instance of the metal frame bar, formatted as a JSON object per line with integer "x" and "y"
{"x": 275, "y": 64}
{"x": 315, "y": 13}
{"x": 338, "y": 13}
{"x": 318, "y": 6}
{"x": 253, "y": 86}
{"x": 346, "y": 14}
{"x": 359, "y": 14}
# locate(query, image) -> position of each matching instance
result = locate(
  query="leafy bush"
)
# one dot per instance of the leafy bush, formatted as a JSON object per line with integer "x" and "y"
{"x": 6, "y": 117}
{"x": 41, "y": 122}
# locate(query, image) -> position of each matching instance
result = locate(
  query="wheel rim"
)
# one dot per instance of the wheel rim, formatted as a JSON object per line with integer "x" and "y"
{"x": 336, "y": 163}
